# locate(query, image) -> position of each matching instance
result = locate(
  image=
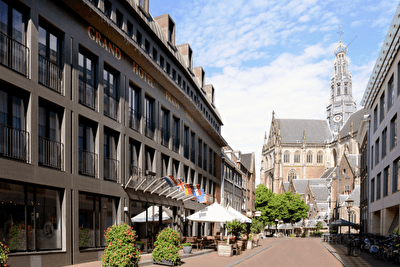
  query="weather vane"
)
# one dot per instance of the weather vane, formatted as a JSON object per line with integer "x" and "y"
{"x": 340, "y": 32}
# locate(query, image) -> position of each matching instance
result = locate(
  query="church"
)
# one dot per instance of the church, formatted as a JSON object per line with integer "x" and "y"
{"x": 318, "y": 159}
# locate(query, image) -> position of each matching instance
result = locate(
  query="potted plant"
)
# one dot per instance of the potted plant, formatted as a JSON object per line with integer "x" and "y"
{"x": 250, "y": 242}
{"x": 166, "y": 248}
{"x": 187, "y": 248}
{"x": 4, "y": 250}
{"x": 120, "y": 247}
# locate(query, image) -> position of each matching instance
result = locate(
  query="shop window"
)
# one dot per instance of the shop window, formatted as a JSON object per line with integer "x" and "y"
{"x": 30, "y": 216}
{"x": 96, "y": 214}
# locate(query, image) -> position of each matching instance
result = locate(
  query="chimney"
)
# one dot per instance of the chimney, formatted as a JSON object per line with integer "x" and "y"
{"x": 187, "y": 53}
{"x": 168, "y": 27}
{"x": 200, "y": 75}
{"x": 209, "y": 88}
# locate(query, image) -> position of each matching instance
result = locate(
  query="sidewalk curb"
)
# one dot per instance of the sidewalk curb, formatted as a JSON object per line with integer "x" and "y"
{"x": 182, "y": 256}
{"x": 340, "y": 259}
{"x": 253, "y": 254}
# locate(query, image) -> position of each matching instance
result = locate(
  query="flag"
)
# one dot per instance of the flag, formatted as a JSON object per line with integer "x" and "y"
{"x": 201, "y": 197}
{"x": 196, "y": 190}
{"x": 188, "y": 190}
{"x": 181, "y": 186}
{"x": 170, "y": 180}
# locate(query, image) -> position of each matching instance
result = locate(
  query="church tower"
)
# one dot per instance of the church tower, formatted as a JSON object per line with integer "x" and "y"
{"x": 341, "y": 104}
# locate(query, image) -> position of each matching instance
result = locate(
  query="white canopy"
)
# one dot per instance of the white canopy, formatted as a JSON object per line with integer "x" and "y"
{"x": 243, "y": 218}
{"x": 213, "y": 213}
{"x": 141, "y": 217}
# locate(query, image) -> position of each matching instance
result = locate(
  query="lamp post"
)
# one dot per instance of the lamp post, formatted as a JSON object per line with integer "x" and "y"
{"x": 349, "y": 204}
{"x": 335, "y": 176}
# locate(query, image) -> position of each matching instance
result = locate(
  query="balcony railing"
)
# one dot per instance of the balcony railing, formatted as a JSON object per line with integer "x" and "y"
{"x": 186, "y": 151}
{"x": 135, "y": 173}
{"x": 149, "y": 128}
{"x": 14, "y": 143}
{"x": 87, "y": 95}
{"x": 50, "y": 74}
{"x": 134, "y": 119}
{"x": 110, "y": 107}
{"x": 51, "y": 153}
{"x": 175, "y": 143}
{"x": 193, "y": 155}
{"x": 14, "y": 54}
{"x": 164, "y": 137}
{"x": 111, "y": 169}
{"x": 87, "y": 163}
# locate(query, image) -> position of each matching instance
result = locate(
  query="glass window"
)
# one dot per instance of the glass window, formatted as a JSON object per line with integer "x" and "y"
{"x": 391, "y": 93}
{"x": 396, "y": 176}
{"x": 292, "y": 175}
{"x": 110, "y": 85}
{"x": 30, "y": 216}
{"x": 375, "y": 118}
{"x": 393, "y": 132}
{"x": 297, "y": 157}
{"x": 165, "y": 134}
{"x": 320, "y": 157}
{"x": 120, "y": 19}
{"x": 134, "y": 107}
{"x": 384, "y": 138}
{"x": 286, "y": 157}
{"x": 96, "y": 214}
{"x": 87, "y": 157}
{"x": 186, "y": 141}
{"x": 377, "y": 152}
{"x": 372, "y": 190}
{"x": 309, "y": 157}
{"x": 111, "y": 163}
{"x": 87, "y": 80}
{"x": 176, "y": 135}
{"x": 382, "y": 107}
{"x": 386, "y": 172}
{"x": 149, "y": 117}
{"x": 378, "y": 186}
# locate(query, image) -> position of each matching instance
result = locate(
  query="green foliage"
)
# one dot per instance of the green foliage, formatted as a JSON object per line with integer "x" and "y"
{"x": 235, "y": 228}
{"x": 187, "y": 244}
{"x": 17, "y": 236}
{"x": 396, "y": 231}
{"x": 4, "y": 250}
{"x": 256, "y": 226}
{"x": 167, "y": 246}
{"x": 286, "y": 207}
{"x": 84, "y": 237}
{"x": 120, "y": 246}
{"x": 318, "y": 226}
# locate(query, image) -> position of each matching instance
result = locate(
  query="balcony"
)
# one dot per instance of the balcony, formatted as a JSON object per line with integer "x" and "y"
{"x": 110, "y": 107}
{"x": 14, "y": 55}
{"x": 87, "y": 95}
{"x": 51, "y": 153}
{"x": 149, "y": 128}
{"x": 111, "y": 169}
{"x": 186, "y": 151}
{"x": 164, "y": 137}
{"x": 134, "y": 119}
{"x": 175, "y": 143}
{"x": 50, "y": 75}
{"x": 14, "y": 143}
{"x": 87, "y": 163}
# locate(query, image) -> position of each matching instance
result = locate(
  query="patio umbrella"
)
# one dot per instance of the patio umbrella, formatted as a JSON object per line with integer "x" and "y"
{"x": 213, "y": 213}
{"x": 141, "y": 217}
{"x": 341, "y": 222}
{"x": 243, "y": 218}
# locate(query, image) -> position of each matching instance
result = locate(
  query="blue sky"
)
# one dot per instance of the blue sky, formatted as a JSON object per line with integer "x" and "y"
{"x": 265, "y": 55}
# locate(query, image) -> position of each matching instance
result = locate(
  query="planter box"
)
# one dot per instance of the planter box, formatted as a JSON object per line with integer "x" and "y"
{"x": 164, "y": 262}
{"x": 249, "y": 244}
{"x": 225, "y": 250}
{"x": 187, "y": 249}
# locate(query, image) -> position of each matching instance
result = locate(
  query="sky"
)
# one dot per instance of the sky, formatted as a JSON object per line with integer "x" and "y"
{"x": 276, "y": 55}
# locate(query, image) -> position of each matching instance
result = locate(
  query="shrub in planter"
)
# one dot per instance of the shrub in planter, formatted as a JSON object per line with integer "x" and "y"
{"x": 120, "y": 246}
{"x": 167, "y": 247}
{"x": 4, "y": 250}
{"x": 187, "y": 248}
{"x": 139, "y": 245}
{"x": 235, "y": 228}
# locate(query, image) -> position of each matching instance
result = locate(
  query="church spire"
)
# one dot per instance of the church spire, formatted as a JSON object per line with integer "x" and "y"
{"x": 341, "y": 104}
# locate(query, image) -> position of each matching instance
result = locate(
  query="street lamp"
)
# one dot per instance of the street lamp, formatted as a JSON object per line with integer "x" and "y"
{"x": 349, "y": 204}
{"x": 336, "y": 176}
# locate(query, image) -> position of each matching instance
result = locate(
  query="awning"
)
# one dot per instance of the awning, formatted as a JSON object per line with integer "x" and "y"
{"x": 141, "y": 217}
{"x": 243, "y": 218}
{"x": 341, "y": 222}
{"x": 213, "y": 213}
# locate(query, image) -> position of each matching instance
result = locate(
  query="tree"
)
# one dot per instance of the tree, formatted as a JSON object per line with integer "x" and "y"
{"x": 288, "y": 207}
{"x": 256, "y": 226}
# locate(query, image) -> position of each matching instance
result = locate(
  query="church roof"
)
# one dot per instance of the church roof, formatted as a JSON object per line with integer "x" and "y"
{"x": 328, "y": 173}
{"x": 316, "y": 131}
{"x": 354, "y": 160}
{"x": 301, "y": 184}
{"x": 320, "y": 192}
{"x": 356, "y": 117}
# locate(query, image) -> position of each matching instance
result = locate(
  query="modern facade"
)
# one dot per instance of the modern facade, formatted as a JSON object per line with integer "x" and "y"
{"x": 382, "y": 159}
{"x": 97, "y": 104}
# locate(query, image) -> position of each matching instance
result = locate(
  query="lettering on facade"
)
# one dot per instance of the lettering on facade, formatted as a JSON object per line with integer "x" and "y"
{"x": 104, "y": 42}
{"x": 172, "y": 100}
{"x": 143, "y": 74}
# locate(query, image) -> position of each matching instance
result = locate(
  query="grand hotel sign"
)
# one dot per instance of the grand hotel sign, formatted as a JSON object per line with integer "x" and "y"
{"x": 104, "y": 42}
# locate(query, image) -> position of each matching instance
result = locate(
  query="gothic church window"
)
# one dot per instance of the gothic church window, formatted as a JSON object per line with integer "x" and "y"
{"x": 292, "y": 175}
{"x": 286, "y": 157}
{"x": 297, "y": 157}
{"x": 309, "y": 157}
{"x": 320, "y": 157}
